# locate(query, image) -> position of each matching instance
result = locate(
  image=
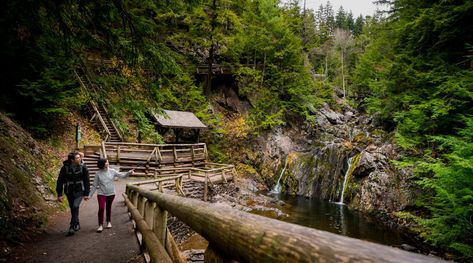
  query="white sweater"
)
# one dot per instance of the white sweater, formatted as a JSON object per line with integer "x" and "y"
{"x": 104, "y": 181}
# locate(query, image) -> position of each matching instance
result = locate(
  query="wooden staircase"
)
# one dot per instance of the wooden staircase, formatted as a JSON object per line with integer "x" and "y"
{"x": 113, "y": 132}
{"x": 89, "y": 87}
{"x": 90, "y": 159}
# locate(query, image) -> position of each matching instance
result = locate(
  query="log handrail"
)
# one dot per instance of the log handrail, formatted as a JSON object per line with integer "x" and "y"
{"x": 102, "y": 122}
{"x": 104, "y": 151}
{"x": 237, "y": 235}
{"x": 167, "y": 178}
{"x": 152, "y": 244}
{"x": 156, "y": 145}
{"x": 119, "y": 132}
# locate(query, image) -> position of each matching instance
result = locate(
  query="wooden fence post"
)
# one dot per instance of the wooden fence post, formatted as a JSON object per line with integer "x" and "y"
{"x": 160, "y": 224}
{"x": 206, "y": 186}
{"x": 141, "y": 204}
{"x": 149, "y": 212}
{"x": 118, "y": 155}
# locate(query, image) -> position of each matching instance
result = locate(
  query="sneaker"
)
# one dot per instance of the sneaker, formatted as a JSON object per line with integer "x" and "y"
{"x": 100, "y": 229}
{"x": 109, "y": 225}
{"x": 77, "y": 227}
{"x": 71, "y": 231}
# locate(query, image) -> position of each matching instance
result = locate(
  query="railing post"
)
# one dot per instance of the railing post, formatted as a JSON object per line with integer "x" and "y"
{"x": 160, "y": 223}
{"x": 192, "y": 155}
{"x": 159, "y": 154}
{"x": 206, "y": 186}
{"x": 223, "y": 175}
{"x": 104, "y": 150}
{"x": 149, "y": 212}
{"x": 141, "y": 204}
{"x": 118, "y": 154}
{"x": 134, "y": 198}
{"x": 153, "y": 248}
{"x": 181, "y": 187}
{"x": 176, "y": 184}
{"x": 156, "y": 155}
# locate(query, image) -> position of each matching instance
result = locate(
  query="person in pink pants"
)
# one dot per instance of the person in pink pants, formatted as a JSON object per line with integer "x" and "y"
{"x": 105, "y": 187}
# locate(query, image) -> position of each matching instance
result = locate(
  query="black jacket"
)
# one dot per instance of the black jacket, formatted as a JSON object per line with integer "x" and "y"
{"x": 73, "y": 179}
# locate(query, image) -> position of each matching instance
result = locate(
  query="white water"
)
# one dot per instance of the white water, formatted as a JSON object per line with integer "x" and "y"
{"x": 277, "y": 187}
{"x": 346, "y": 179}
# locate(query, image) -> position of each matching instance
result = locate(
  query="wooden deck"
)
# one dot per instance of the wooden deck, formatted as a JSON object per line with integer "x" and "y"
{"x": 167, "y": 164}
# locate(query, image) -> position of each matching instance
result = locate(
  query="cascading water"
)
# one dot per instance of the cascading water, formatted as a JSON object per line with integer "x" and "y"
{"x": 347, "y": 174}
{"x": 277, "y": 187}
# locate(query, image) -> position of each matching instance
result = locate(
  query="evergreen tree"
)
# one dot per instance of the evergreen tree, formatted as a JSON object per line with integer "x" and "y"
{"x": 418, "y": 73}
{"x": 358, "y": 26}
{"x": 341, "y": 19}
{"x": 350, "y": 25}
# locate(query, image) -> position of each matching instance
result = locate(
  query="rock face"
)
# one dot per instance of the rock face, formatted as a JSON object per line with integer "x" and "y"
{"x": 314, "y": 160}
{"x": 343, "y": 144}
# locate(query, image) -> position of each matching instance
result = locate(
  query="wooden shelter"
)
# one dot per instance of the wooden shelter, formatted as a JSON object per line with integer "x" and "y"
{"x": 178, "y": 121}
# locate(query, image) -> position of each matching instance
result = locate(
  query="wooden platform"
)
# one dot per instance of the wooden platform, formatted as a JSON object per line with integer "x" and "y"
{"x": 168, "y": 165}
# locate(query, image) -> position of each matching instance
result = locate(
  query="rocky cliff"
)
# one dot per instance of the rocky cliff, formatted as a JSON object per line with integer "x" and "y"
{"x": 342, "y": 144}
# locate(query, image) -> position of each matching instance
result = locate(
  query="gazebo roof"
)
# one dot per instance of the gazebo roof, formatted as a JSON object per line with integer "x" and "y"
{"x": 178, "y": 119}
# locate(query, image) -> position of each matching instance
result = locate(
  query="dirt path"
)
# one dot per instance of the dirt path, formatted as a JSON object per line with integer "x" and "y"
{"x": 117, "y": 244}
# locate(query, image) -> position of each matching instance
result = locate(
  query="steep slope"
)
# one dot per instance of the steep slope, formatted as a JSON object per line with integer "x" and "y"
{"x": 28, "y": 171}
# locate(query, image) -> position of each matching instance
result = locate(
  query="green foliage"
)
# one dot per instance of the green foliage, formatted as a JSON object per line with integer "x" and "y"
{"x": 449, "y": 180}
{"x": 272, "y": 73}
{"x": 416, "y": 75}
{"x": 217, "y": 153}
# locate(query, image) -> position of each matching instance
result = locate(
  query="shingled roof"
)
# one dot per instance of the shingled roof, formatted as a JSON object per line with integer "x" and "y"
{"x": 178, "y": 119}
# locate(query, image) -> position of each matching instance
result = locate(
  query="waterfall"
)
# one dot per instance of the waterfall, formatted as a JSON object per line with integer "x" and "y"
{"x": 347, "y": 174}
{"x": 277, "y": 187}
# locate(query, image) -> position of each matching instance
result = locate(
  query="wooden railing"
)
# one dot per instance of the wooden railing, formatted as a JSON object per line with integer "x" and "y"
{"x": 207, "y": 175}
{"x": 176, "y": 154}
{"x": 103, "y": 152}
{"x": 92, "y": 104}
{"x": 112, "y": 122}
{"x": 100, "y": 120}
{"x": 166, "y": 181}
{"x": 244, "y": 237}
{"x": 119, "y": 131}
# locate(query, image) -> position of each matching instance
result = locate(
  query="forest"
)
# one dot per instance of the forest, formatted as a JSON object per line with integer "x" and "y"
{"x": 411, "y": 67}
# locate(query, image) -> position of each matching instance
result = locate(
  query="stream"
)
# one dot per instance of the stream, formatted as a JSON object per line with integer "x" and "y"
{"x": 338, "y": 219}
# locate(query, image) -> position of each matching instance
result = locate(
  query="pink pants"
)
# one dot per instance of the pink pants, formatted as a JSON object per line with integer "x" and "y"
{"x": 105, "y": 202}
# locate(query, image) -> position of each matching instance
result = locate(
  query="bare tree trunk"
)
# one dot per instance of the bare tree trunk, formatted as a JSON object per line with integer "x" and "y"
{"x": 304, "y": 38}
{"x": 343, "y": 78}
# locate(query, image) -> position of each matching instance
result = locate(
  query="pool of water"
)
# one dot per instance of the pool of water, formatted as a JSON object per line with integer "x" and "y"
{"x": 337, "y": 218}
